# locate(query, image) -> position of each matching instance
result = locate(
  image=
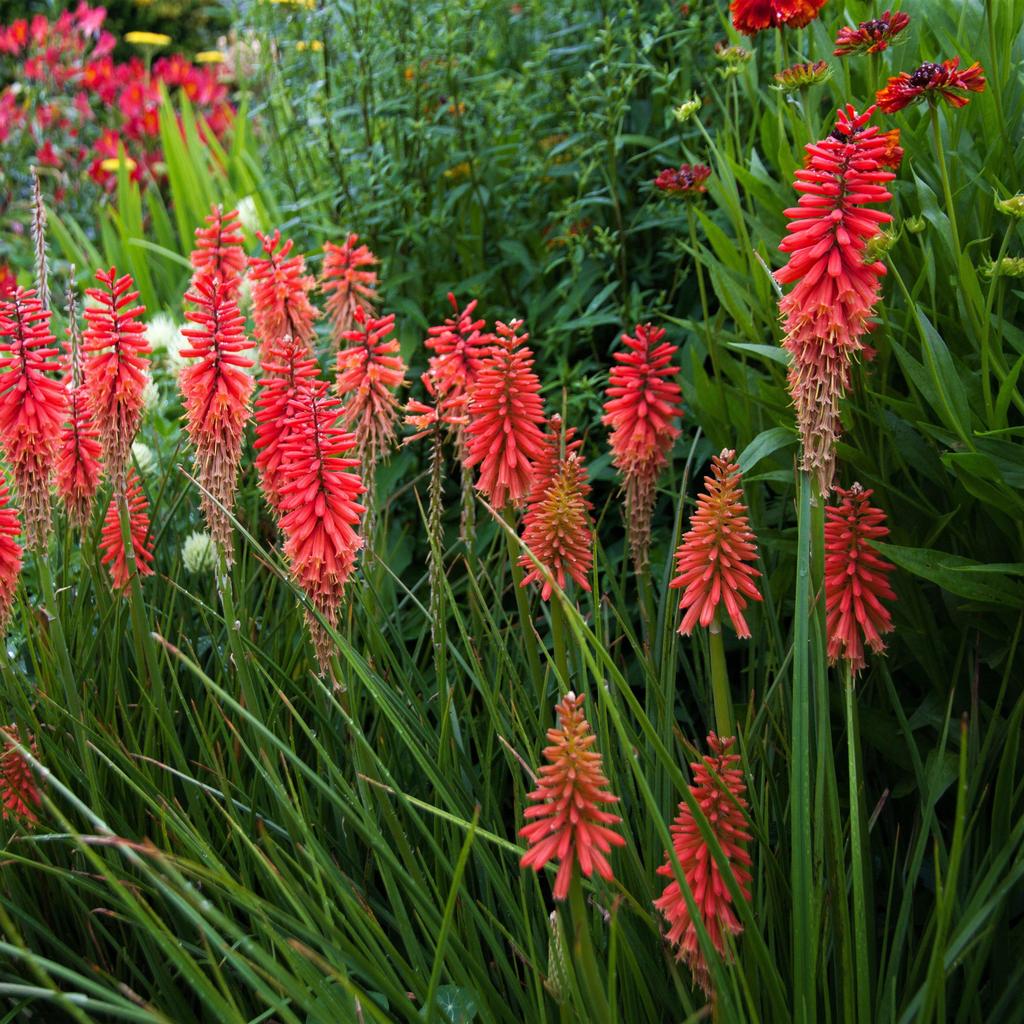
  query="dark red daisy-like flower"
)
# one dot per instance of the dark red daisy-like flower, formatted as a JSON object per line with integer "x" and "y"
{"x": 686, "y": 182}
{"x": 872, "y": 36}
{"x": 932, "y": 82}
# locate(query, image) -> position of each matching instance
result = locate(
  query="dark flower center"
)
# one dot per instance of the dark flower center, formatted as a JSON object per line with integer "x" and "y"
{"x": 875, "y": 27}
{"x": 924, "y": 75}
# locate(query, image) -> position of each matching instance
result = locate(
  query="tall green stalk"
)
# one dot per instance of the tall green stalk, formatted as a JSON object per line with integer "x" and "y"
{"x": 720, "y": 681}
{"x": 584, "y": 958}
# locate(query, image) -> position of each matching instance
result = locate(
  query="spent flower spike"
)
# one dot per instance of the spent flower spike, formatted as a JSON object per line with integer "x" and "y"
{"x": 715, "y": 560}
{"x": 856, "y": 578}
{"x": 505, "y": 434}
{"x": 565, "y": 822}
{"x": 719, "y": 790}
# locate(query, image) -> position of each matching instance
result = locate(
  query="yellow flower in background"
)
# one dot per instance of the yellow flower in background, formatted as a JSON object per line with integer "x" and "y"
{"x": 146, "y": 38}
{"x": 112, "y": 163}
{"x": 315, "y": 45}
{"x": 210, "y": 57}
{"x": 409, "y": 74}
{"x": 458, "y": 171}
{"x": 308, "y": 4}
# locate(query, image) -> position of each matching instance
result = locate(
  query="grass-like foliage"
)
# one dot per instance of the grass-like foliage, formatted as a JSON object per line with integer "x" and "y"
{"x": 746, "y": 744}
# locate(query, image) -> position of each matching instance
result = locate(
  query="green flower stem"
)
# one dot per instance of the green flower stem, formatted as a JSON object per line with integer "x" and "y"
{"x": 861, "y": 910}
{"x": 523, "y": 605}
{"x": 720, "y": 681}
{"x": 584, "y": 958}
{"x": 558, "y": 636}
{"x": 709, "y": 340}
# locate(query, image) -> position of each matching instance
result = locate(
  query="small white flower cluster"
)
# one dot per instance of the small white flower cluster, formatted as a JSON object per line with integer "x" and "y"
{"x": 199, "y": 553}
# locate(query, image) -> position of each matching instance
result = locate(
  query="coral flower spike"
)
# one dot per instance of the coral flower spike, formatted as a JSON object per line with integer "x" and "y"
{"x": 218, "y": 252}
{"x": 714, "y": 560}
{"x": 19, "y": 794}
{"x": 856, "y": 578}
{"x": 115, "y": 367}
{"x": 33, "y": 406}
{"x": 505, "y": 436}
{"x": 370, "y": 370}
{"x": 721, "y": 798}
{"x": 115, "y": 557}
{"x": 349, "y": 282}
{"x": 320, "y": 513}
{"x": 642, "y": 407}
{"x": 565, "y": 822}
{"x": 459, "y": 346}
{"x": 280, "y": 294}
{"x": 557, "y": 527}
{"x": 830, "y": 307}
{"x": 10, "y": 554}
{"x": 216, "y": 391}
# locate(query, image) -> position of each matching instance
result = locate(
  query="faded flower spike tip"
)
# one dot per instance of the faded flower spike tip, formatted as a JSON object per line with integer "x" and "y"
{"x": 720, "y": 792}
{"x": 565, "y": 822}
{"x": 715, "y": 559}
{"x": 856, "y": 578}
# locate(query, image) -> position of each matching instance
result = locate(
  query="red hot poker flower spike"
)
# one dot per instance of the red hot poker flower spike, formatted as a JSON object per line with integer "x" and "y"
{"x": 78, "y": 465}
{"x": 753, "y": 16}
{"x": 370, "y": 369}
{"x": 216, "y": 391}
{"x": 505, "y": 436}
{"x": 721, "y": 798}
{"x": 289, "y": 371}
{"x": 10, "y": 554}
{"x": 932, "y": 82}
{"x": 219, "y": 249}
{"x": 19, "y": 794}
{"x": 565, "y": 822}
{"x": 112, "y": 544}
{"x": 349, "y": 281}
{"x": 714, "y": 560}
{"x": 856, "y": 578}
{"x": 642, "y": 406}
{"x": 872, "y": 36}
{"x": 320, "y": 513}
{"x": 280, "y": 294}
{"x": 459, "y": 345}
{"x": 115, "y": 367}
{"x": 556, "y": 527}
{"x": 33, "y": 406}
{"x": 831, "y": 306}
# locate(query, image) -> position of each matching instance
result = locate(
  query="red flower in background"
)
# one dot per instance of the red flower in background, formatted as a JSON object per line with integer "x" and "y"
{"x": 716, "y": 556}
{"x": 216, "y": 391}
{"x": 753, "y": 16}
{"x": 505, "y": 436}
{"x": 892, "y": 155}
{"x": 320, "y": 511}
{"x": 115, "y": 348}
{"x": 115, "y": 555}
{"x": 932, "y": 82}
{"x": 369, "y": 369}
{"x": 280, "y": 294}
{"x": 19, "y": 794}
{"x": 687, "y": 181}
{"x": 349, "y": 281}
{"x": 565, "y": 822}
{"x": 78, "y": 465}
{"x": 719, "y": 790}
{"x": 10, "y": 554}
{"x": 856, "y": 578}
{"x": 557, "y": 527}
{"x": 830, "y": 308}
{"x": 872, "y": 36}
{"x": 8, "y": 282}
{"x": 33, "y": 406}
